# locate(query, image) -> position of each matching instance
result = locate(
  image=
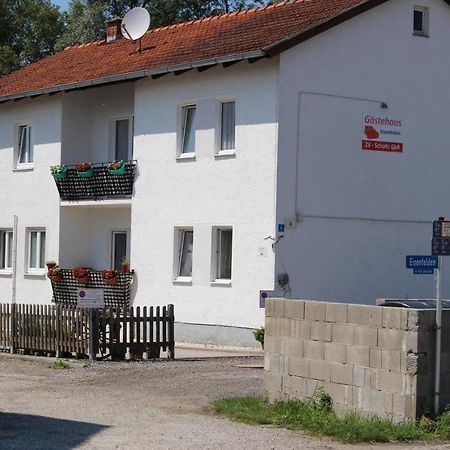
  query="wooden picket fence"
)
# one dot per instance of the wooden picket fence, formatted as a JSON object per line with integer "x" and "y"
{"x": 99, "y": 333}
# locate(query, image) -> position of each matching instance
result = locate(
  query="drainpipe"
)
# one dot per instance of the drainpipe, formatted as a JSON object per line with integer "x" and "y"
{"x": 438, "y": 335}
{"x": 13, "y": 288}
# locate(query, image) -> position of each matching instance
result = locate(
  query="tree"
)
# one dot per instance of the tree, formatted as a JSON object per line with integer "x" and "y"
{"x": 85, "y": 21}
{"x": 28, "y": 32}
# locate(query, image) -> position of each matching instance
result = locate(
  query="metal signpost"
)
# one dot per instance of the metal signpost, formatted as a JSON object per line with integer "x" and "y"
{"x": 440, "y": 246}
{"x": 92, "y": 299}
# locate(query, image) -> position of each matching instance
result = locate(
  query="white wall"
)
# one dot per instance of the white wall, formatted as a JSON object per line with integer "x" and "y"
{"x": 363, "y": 211}
{"x": 30, "y": 194}
{"x": 234, "y": 191}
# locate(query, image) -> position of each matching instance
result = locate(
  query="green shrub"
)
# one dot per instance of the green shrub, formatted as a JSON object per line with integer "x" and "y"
{"x": 259, "y": 335}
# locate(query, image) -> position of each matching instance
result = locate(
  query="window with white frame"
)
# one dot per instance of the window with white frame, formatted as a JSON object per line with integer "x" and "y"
{"x": 6, "y": 245}
{"x": 119, "y": 249}
{"x": 25, "y": 145}
{"x": 227, "y": 125}
{"x": 36, "y": 250}
{"x": 223, "y": 253}
{"x": 188, "y": 127}
{"x": 123, "y": 139}
{"x": 185, "y": 240}
{"x": 420, "y": 21}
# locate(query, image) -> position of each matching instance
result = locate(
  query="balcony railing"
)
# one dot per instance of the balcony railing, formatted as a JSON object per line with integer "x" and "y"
{"x": 101, "y": 185}
{"x": 65, "y": 291}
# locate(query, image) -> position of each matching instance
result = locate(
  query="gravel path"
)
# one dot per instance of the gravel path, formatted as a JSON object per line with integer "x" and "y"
{"x": 139, "y": 405}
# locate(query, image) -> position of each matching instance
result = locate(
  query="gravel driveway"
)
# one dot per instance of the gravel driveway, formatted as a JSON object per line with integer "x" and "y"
{"x": 139, "y": 405}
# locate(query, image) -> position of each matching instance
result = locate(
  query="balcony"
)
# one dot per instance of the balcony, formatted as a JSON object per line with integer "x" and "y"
{"x": 65, "y": 291}
{"x": 101, "y": 185}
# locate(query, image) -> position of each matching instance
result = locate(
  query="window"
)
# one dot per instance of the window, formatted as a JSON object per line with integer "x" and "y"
{"x": 119, "y": 249}
{"x": 420, "y": 21}
{"x": 123, "y": 139}
{"x": 185, "y": 248}
{"x": 223, "y": 253}
{"x": 188, "y": 127}
{"x": 25, "y": 145}
{"x": 227, "y": 125}
{"x": 6, "y": 245}
{"x": 36, "y": 250}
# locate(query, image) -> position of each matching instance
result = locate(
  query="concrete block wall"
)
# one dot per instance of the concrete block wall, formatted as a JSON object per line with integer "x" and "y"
{"x": 372, "y": 359}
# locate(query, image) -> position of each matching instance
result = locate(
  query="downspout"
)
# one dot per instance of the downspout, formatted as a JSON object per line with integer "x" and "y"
{"x": 13, "y": 287}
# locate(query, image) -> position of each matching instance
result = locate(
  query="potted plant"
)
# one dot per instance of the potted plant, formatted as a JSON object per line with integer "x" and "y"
{"x": 125, "y": 264}
{"x": 82, "y": 275}
{"x": 110, "y": 277}
{"x": 55, "y": 274}
{"x": 259, "y": 335}
{"x": 51, "y": 264}
{"x": 117, "y": 168}
{"x": 85, "y": 170}
{"x": 58, "y": 171}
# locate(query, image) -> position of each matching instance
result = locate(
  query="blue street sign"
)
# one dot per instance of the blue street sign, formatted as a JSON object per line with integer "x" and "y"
{"x": 423, "y": 271}
{"x": 281, "y": 228}
{"x": 422, "y": 262}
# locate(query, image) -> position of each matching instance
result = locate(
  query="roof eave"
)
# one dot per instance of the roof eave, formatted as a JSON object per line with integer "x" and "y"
{"x": 132, "y": 76}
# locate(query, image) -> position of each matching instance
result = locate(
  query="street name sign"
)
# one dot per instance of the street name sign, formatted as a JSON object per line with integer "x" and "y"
{"x": 422, "y": 264}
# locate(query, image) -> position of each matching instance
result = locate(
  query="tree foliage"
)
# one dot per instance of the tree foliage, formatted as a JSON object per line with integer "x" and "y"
{"x": 28, "y": 31}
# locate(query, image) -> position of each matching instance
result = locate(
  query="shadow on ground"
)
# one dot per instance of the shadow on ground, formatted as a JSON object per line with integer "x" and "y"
{"x": 24, "y": 431}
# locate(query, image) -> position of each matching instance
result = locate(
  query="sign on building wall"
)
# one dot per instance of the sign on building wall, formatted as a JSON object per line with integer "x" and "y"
{"x": 382, "y": 133}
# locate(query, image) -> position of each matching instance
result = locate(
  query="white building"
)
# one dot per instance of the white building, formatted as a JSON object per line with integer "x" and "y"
{"x": 226, "y": 151}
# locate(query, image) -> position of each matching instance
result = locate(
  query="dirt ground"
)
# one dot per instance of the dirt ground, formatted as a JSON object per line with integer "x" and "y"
{"x": 137, "y": 405}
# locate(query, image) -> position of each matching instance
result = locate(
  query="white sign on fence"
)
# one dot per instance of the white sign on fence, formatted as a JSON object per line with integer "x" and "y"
{"x": 91, "y": 298}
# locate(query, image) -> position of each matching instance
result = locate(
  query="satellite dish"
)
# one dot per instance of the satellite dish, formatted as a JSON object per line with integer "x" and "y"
{"x": 135, "y": 23}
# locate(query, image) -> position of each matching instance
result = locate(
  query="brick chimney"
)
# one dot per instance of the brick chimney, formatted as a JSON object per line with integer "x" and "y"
{"x": 113, "y": 31}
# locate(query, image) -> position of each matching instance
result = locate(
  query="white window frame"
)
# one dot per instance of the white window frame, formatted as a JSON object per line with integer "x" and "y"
{"x": 216, "y": 256}
{"x": 113, "y": 128}
{"x": 180, "y": 233}
{"x": 183, "y": 115}
{"x": 30, "y": 129}
{"x": 113, "y": 233}
{"x": 6, "y": 251}
{"x": 219, "y": 129}
{"x": 39, "y": 270}
{"x": 425, "y": 21}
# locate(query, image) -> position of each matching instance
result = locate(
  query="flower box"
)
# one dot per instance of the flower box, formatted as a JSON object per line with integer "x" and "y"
{"x": 55, "y": 273}
{"x": 82, "y": 275}
{"x": 117, "y": 168}
{"x": 85, "y": 170}
{"x": 110, "y": 277}
{"x": 59, "y": 172}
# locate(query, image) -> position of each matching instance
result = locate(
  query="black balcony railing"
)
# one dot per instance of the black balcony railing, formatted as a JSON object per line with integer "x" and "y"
{"x": 65, "y": 291}
{"x": 101, "y": 185}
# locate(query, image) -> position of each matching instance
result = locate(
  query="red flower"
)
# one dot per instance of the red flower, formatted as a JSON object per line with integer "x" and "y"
{"x": 83, "y": 167}
{"x": 81, "y": 272}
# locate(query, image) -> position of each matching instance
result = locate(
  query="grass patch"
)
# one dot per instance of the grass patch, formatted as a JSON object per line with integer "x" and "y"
{"x": 59, "y": 365}
{"x": 317, "y": 417}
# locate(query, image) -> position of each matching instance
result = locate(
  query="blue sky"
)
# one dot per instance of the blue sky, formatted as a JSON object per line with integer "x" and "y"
{"x": 63, "y": 4}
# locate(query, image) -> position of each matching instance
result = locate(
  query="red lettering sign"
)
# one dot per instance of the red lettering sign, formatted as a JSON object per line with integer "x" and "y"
{"x": 378, "y": 146}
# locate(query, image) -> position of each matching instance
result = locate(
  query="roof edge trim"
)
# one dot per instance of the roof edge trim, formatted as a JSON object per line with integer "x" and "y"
{"x": 134, "y": 75}
{"x": 326, "y": 24}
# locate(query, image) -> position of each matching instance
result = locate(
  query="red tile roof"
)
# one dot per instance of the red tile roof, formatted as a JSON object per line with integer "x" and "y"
{"x": 256, "y": 32}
